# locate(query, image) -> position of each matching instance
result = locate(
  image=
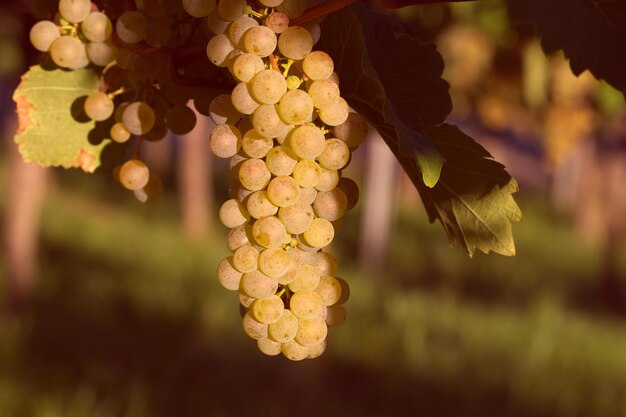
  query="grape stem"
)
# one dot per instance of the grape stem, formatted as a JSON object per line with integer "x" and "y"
{"x": 273, "y": 62}
{"x": 320, "y": 11}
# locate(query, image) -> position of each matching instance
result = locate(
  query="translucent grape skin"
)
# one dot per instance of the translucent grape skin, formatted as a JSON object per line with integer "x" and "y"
{"x": 96, "y": 27}
{"x": 138, "y": 118}
{"x": 131, "y": 27}
{"x": 74, "y": 11}
{"x": 68, "y": 52}
{"x": 98, "y": 106}
{"x": 134, "y": 175}
{"x": 42, "y": 34}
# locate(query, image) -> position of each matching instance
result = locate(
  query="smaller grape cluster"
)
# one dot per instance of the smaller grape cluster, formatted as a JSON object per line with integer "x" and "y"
{"x": 80, "y": 35}
{"x": 288, "y": 134}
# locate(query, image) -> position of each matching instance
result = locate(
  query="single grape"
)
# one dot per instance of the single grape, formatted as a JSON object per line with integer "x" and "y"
{"x": 285, "y": 329}
{"x": 245, "y": 258}
{"x": 42, "y": 34}
{"x": 277, "y": 21}
{"x": 311, "y": 331}
{"x": 253, "y": 174}
{"x": 138, "y": 118}
{"x": 96, "y": 27}
{"x": 134, "y": 174}
{"x": 295, "y": 107}
{"x": 307, "y": 173}
{"x": 283, "y": 191}
{"x": 101, "y": 53}
{"x": 318, "y": 65}
{"x": 330, "y": 205}
{"x": 227, "y": 275}
{"x": 246, "y": 66}
{"x": 307, "y": 279}
{"x": 233, "y": 214}
{"x": 328, "y": 180}
{"x": 305, "y": 304}
{"x": 131, "y": 27}
{"x": 242, "y": 100}
{"x": 335, "y": 155}
{"x": 295, "y": 42}
{"x": 269, "y": 232}
{"x": 258, "y": 205}
{"x": 258, "y": 285}
{"x": 225, "y": 141}
{"x": 268, "y": 86}
{"x": 281, "y": 160}
{"x": 238, "y": 236}
{"x": 237, "y": 29}
{"x": 98, "y": 106}
{"x": 255, "y": 145}
{"x": 268, "y": 347}
{"x": 329, "y": 290}
{"x": 294, "y": 351}
{"x": 296, "y": 218}
{"x": 218, "y": 50}
{"x": 68, "y": 52}
{"x": 335, "y": 113}
{"x": 319, "y": 233}
{"x": 335, "y": 315}
{"x": 119, "y": 133}
{"x": 260, "y": 40}
{"x": 268, "y": 309}
{"x": 307, "y": 142}
{"x": 274, "y": 262}
{"x": 215, "y": 23}
{"x": 74, "y": 11}
{"x": 268, "y": 123}
{"x": 323, "y": 93}
{"x": 352, "y": 131}
{"x": 253, "y": 328}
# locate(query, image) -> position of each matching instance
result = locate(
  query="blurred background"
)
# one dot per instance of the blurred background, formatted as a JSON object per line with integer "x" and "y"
{"x": 111, "y": 308}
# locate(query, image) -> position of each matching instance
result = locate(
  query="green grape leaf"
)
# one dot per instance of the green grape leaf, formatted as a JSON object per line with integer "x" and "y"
{"x": 393, "y": 80}
{"x": 473, "y": 198}
{"x": 591, "y": 33}
{"x": 53, "y": 129}
{"x": 460, "y": 185}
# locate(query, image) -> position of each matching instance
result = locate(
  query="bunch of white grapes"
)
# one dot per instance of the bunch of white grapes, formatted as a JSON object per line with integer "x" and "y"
{"x": 79, "y": 35}
{"x": 288, "y": 134}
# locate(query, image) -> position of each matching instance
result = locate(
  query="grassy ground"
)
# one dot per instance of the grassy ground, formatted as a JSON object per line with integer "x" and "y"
{"x": 129, "y": 321}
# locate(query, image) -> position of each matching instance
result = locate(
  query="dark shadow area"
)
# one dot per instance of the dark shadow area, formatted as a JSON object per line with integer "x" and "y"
{"x": 183, "y": 371}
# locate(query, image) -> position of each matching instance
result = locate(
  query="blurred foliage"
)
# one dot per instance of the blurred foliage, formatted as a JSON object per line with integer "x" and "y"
{"x": 130, "y": 321}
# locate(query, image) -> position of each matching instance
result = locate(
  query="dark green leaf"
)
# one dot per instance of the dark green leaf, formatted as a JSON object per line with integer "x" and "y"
{"x": 592, "y": 33}
{"x": 471, "y": 193}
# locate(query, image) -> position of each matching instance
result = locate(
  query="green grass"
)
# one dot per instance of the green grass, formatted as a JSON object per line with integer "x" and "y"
{"x": 128, "y": 320}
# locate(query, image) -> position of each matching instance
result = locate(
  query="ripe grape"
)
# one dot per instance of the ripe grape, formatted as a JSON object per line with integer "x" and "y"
{"x": 74, "y": 11}
{"x": 318, "y": 65}
{"x": 295, "y": 107}
{"x": 307, "y": 142}
{"x": 269, "y": 232}
{"x": 68, "y": 52}
{"x": 260, "y": 40}
{"x": 319, "y": 233}
{"x": 268, "y": 309}
{"x": 268, "y": 86}
{"x": 131, "y": 27}
{"x": 42, "y": 34}
{"x": 119, "y": 133}
{"x": 138, "y": 118}
{"x": 227, "y": 275}
{"x": 98, "y": 106}
{"x": 242, "y": 100}
{"x": 96, "y": 27}
{"x": 295, "y": 42}
{"x": 225, "y": 141}
{"x": 233, "y": 214}
{"x": 237, "y": 29}
{"x": 134, "y": 174}
{"x": 335, "y": 113}
{"x": 101, "y": 53}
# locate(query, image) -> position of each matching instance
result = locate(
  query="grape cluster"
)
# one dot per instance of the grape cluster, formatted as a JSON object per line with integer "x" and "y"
{"x": 288, "y": 134}
{"x": 79, "y": 35}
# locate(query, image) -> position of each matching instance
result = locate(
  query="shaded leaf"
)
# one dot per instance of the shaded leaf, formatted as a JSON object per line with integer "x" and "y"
{"x": 53, "y": 129}
{"x": 395, "y": 4}
{"x": 591, "y": 33}
{"x": 398, "y": 87}
{"x": 472, "y": 195}
{"x": 473, "y": 198}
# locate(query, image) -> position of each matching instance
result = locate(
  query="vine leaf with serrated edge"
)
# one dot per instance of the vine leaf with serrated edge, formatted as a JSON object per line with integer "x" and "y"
{"x": 472, "y": 197}
{"x": 591, "y": 33}
{"x": 53, "y": 129}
